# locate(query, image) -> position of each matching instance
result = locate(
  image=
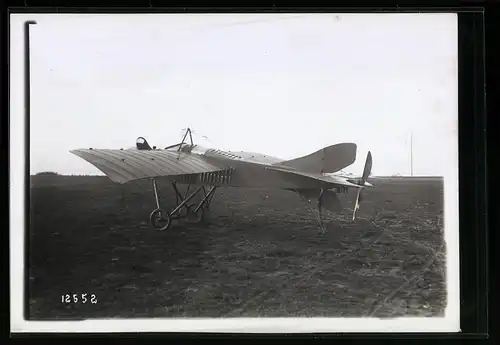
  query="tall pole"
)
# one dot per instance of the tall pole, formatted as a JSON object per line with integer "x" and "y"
{"x": 411, "y": 153}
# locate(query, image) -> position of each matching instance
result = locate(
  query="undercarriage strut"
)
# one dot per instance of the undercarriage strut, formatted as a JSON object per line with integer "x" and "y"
{"x": 162, "y": 220}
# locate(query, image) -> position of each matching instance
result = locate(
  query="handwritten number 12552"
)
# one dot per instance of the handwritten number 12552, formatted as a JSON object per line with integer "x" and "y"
{"x": 79, "y": 298}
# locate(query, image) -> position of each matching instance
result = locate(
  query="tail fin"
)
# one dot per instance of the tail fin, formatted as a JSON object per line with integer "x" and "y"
{"x": 327, "y": 160}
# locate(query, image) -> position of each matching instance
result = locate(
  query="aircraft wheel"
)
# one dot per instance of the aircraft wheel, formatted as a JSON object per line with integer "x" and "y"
{"x": 194, "y": 217}
{"x": 160, "y": 219}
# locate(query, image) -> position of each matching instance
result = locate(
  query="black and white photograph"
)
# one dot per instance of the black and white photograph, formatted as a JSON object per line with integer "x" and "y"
{"x": 236, "y": 172}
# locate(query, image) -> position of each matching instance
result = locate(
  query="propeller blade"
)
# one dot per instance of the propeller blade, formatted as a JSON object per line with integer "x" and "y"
{"x": 368, "y": 167}
{"x": 366, "y": 173}
{"x": 356, "y": 206}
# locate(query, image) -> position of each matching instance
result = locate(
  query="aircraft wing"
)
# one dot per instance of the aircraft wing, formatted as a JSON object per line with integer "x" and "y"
{"x": 126, "y": 165}
{"x": 333, "y": 181}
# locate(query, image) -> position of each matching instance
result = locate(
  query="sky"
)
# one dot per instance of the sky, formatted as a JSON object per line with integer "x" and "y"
{"x": 284, "y": 85}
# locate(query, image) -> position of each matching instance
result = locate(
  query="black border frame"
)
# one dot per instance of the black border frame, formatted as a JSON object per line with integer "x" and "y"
{"x": 472, "y": 174}
{"x": 472, "y": 170}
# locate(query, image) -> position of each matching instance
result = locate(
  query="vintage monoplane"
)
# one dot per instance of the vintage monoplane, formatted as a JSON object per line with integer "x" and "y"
{"x": 185, "y": 163}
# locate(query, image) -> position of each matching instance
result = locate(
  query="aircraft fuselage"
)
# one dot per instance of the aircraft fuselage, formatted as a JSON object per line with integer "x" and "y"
{"x": 242, "y": 169}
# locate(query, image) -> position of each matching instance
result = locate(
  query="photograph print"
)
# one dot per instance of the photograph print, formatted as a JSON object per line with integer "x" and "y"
{"x": 290, "y": 172}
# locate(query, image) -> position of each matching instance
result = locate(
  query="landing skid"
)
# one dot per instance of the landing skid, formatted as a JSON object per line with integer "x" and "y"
{"x": 161, "y": 220}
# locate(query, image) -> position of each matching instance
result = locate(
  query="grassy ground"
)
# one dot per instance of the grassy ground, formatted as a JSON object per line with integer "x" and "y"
{"x": 260, "y": 254}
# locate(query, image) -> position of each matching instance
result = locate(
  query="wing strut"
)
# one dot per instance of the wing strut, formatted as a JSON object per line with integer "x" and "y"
{"x": 188, "y": 131}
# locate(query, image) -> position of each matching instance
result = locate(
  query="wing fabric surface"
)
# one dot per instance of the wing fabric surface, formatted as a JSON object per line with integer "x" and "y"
{"x": 333, "y": 181}
{"x": 122, "y": 166}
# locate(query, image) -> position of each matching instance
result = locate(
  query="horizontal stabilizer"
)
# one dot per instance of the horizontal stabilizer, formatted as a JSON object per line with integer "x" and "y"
{"x": 327, "y": 160}
{"x": 330, "y": 181}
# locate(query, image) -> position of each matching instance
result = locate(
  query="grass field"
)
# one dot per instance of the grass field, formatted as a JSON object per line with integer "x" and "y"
{"x": 260, "y": 253}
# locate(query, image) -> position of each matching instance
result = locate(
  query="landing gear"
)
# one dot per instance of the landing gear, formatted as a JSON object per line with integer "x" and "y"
{"x": 319, "y": 214}
{"x": 194, "y": 216}
{"x": 320, "y": 210}
{"x": 308, "y": 196}
{"x": 193, "y": 213}
{"x": 160, "y": 219}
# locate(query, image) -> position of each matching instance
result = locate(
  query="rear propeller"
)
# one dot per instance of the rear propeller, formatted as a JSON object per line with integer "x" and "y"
{"x": 362, "y": 182}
